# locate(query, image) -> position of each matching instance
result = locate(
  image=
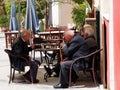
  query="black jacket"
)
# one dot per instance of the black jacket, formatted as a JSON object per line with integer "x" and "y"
{"x": 75, "y": 48}
{"x": 20, "y": 48}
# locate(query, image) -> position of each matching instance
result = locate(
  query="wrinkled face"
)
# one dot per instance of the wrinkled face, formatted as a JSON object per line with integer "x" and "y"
{"x": 68, "y": 35}
{"x": 85, "y": 35}
{"x": 27, "y": 37}
{"x": 67, "y": 38}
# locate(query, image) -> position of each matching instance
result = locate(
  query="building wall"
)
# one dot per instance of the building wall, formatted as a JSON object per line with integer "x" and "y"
{"x": 65, "y": 16}
{"x": 116, "y": 23}
{"x": 106, "y": 15}
{"x": 62, "y": 14}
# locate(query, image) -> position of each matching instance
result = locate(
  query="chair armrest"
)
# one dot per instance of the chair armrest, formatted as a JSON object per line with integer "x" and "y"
{"x": 86, "y": 56}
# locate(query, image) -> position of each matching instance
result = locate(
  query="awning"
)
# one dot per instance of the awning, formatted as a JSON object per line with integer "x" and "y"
{"x": 13, "y": 20}
{"x": 32, "y": 22}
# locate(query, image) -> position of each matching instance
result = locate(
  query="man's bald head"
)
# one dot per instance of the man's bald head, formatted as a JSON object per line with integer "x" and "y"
{"x": 68, "y": 35}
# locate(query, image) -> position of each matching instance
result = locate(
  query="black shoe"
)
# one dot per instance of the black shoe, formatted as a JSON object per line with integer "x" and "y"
{"x": 27, "y": 79}
{"x": 36, "y": 81}
{"x": 48, "y": 70}
{"x": 61, "y": 86}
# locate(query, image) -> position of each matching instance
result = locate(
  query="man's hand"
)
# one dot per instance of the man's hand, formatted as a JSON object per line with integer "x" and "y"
{"x": 62, "y": 44}
{"x": 30, "y": 58}
{"x": 32, "y": 46}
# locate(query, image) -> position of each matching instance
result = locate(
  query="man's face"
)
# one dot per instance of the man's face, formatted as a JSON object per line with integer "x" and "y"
{"x": 27, "y": 37}
{"x": 67, "y": 38}
{"x": 68, "y": 35}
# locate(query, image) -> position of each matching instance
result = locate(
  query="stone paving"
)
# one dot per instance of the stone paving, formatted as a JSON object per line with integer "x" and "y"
{"x": 4, "y": 76}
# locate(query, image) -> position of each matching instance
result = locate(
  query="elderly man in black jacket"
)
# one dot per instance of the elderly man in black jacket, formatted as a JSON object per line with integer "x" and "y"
{"x": 89, "y": 35}
{"x": 74, "y": 47}
{"x": 20, "y": 47}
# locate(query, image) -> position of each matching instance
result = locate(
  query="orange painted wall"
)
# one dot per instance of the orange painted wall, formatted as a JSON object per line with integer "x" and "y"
{"x": 116, "y": 23}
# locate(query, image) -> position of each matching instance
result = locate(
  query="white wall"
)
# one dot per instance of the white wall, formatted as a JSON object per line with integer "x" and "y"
{"x": 62, "y": 14}
{"x": 55, "y": 14}
{"x": 106, "y": 11}
{"x": 65, "y": 14}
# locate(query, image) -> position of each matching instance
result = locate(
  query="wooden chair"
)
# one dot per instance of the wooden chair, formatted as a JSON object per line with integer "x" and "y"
{"x": 91, "y": 69}
{"x": 10, "y": 36}
{"x": 12, "y": 67}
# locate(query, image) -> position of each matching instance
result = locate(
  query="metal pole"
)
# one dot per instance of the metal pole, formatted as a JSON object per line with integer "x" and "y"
{"x": 19, "y": 14}
{"x": 30, "y": 20}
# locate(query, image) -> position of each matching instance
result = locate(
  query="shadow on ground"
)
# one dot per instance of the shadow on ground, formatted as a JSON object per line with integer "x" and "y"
{"x": 84, "y": 80}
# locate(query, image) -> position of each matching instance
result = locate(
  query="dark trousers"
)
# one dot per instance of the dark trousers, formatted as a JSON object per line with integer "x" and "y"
{"x": 56, "y": 68}
{"x": 33, "y": 69}
{"x": 64, "y": 73}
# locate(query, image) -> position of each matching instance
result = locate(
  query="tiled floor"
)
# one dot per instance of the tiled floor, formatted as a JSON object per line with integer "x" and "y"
{"x": 4, "y": 77}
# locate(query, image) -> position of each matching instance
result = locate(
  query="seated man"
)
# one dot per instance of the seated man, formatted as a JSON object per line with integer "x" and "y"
{"x": 20, "y": 47}
{"x": 90, "y": 40}
{"x": 92, "y": 45}
{"x": 74, "y": 47}
{"x": 89, "y": 37}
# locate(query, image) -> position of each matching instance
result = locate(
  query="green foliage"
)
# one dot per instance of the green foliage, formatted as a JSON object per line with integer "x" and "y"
{"x": 79, "y": 13}
{"x": 3, "y": 21}
{"x": 22, "y": 4}
{"x": 7, "y": 6}
{"x": 78, "y": 1}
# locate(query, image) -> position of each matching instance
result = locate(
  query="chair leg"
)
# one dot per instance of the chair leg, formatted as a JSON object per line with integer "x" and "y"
{"x": 34, "y": 55}
{"x": 19, "y": 72}
{"x": 41, "y": 56}
{"x": 13, "y": 76}
{"x": 45, "y": 77}
{"x": 94, "y": 77}
{"x": 10, "y": 78}
{"x": 47, "y": 59}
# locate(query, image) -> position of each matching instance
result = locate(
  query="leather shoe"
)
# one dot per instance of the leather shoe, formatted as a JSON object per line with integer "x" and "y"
{"x": 36, "y": 81}
{"x": 61, "y": 86}
{"x": 28, "y": 80}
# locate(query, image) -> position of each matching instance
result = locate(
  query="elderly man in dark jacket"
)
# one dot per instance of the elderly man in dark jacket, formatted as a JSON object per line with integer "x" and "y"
{"x": 20, "y": 47}
{"x": 92, "y": 45}
{"x": 89, "y": 36}
{"x": 74, "y": 47}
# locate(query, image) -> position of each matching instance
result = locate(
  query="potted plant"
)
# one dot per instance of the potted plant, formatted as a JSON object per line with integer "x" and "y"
{"x": 79, "y": 12}
{"x": 4, "y": 22}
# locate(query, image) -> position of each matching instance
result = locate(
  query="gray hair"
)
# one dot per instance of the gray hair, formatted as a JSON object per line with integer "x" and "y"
{"x": 87, "y": 26}
{"x": 88, "y": 29}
